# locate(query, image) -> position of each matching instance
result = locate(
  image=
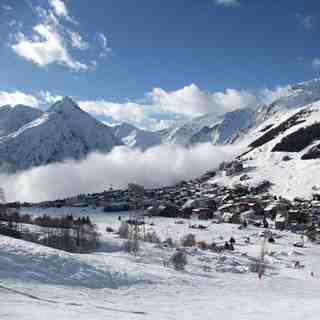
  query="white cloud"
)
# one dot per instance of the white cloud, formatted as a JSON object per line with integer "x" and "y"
{"x": 228, "y": 3}
{"x": 316, "y": 63}
{"x": 49, "y": 48}
{"x": 51, "y": 41}
{"x": 268, "y": 96}
{"x": 17, "y": 97}
{"x": 164, "y": 107}
{"x": 60, "y": 9}
{"x": 130, "y": 112}
{"x": 104, "y": 44}
{"x": 192, "y": 101}
{"x": 47, "y": 98}
{"x": 6, "y": 7}
{"x": 152, "y": 168}
{"x": 77, "y": 41}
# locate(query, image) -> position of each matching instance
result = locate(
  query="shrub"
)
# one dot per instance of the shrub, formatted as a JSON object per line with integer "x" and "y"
{"x": 203, "y": 245}
{"x": 189, "y": 240}
{"x": 152, "y": 237}
{"x": 169, "y": 242}
{"x": 124, "y": 230}
{"x": 131, "y": 246}
{"x": 179, "y": 260}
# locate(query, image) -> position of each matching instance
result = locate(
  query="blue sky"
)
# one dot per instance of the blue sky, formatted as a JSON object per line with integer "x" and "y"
{"x": 145, "y": 60}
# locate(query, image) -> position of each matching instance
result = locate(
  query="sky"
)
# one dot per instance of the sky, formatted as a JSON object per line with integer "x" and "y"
{"x": 152, "y": 63}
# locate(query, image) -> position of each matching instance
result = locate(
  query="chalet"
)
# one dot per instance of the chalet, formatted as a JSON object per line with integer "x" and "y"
{"x": 203, "y": 213}
{"x": 281, "y": 221}
{"x": 247, "y": 215}
{"x": 229, "y": 217}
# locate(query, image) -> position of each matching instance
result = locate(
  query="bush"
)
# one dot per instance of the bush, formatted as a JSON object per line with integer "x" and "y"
{"x": 179, "y": 260}
{"x": 189, "y": 240}
{"x": 124, "y": 230}
{"x": 152, "y": 237}
{"x": 203, "y": 245}
{"x": 131, "y": 246}
{"x": 169, "y": 242}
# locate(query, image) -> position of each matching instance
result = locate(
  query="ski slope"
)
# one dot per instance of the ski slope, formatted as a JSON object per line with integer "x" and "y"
{"x": 37, "y": 282}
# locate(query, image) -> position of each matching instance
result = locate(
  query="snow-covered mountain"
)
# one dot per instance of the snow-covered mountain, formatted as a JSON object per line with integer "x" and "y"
{"x": 284, "y": 149}
{"x": 209, "y": 128}
{"x": 136, "y": 138}
{"x": 13, "y": 118}
{"x": 297, "y": 96}
{"x": 63, "y": 132}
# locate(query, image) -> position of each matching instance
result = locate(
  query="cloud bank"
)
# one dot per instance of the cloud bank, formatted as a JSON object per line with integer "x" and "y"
{"x": 158, "y": 166}
{"x": 17, "y": 97}
{"x": 160, "y": 108}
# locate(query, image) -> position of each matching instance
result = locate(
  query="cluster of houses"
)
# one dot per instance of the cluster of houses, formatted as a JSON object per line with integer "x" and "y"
{"x": 205, "y": 200}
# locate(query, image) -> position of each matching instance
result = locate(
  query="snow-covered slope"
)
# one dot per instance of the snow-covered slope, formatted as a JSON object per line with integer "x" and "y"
{"x": 136, "y": 138}
{"x": 209, "y": 128}
{"x": 13, "y": 118}
{"x": 284, "y": 150}
{"x": 37, "y": 282}
{"x": 297, "y": 96}
{"x": 64, "y": 132}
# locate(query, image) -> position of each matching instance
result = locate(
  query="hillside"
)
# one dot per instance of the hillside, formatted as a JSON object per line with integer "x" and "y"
{"x": 286, "y": 153}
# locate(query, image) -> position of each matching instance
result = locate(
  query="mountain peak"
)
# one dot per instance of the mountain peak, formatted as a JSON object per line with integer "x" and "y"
{"x": 64, "y": 105}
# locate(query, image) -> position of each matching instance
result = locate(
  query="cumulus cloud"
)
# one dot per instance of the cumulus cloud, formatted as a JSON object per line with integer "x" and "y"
{"x": 192, "y": 101}
{"x": 228, "y": 3}
{"x": 51, "y": 41}
{"x": 159, "y": 166}
{"x": 316, "y": 63}
{"x": 160, "y": 108}
{"x": 268, "y": 96}
{"x": 77, "y": 40}
{"x": 47, "y": 98}
{"x": 17, "y": 97}
{"x": 139, "y": 115}
{"x": 49, "y": 48}
{"x": 59, "y": 8}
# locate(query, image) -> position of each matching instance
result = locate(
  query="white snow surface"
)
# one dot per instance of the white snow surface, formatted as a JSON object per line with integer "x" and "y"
{"x": 37, "y": 282}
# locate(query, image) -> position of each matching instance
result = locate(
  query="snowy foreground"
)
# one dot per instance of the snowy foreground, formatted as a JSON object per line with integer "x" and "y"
{"x": 37, "y": 282}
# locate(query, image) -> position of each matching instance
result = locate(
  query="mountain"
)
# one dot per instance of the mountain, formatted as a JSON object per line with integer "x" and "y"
{"x": 13, "y": 118}
{"x": 63, "y": 132}
{"x": 209, "y": 128}
{"x": 285, "y": 150}
{"x": 136, "y": 138}
{"x": 297, "y": 96}
{"x": 229, "y": 128}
